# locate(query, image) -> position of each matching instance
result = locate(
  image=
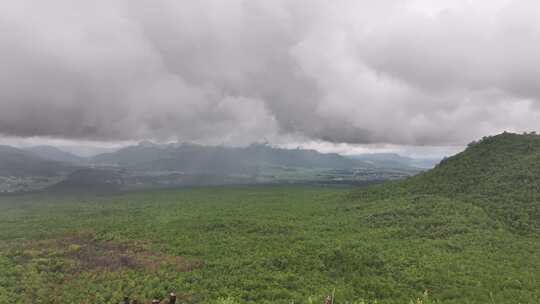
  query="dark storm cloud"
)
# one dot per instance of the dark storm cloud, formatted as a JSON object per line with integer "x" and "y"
{"x": 402, "y": 72}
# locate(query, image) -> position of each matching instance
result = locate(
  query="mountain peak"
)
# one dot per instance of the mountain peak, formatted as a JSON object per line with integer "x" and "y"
{"x": 54, "y": 154}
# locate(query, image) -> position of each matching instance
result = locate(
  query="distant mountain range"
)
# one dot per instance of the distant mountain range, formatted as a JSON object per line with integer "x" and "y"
{"x": 21, "y": 163}
{"x": 54, "y": 154}
{"x": 393, "y": 160}
{"x": 182, "y": 164}
{"x": 197, "y": 159}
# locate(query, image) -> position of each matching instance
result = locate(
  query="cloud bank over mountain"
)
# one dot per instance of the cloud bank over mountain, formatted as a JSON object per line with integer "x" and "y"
{"x": 358, "y": 72}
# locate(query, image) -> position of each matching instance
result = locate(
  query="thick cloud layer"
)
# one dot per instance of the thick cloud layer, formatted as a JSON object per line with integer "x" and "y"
{"x": 352, "y": 71}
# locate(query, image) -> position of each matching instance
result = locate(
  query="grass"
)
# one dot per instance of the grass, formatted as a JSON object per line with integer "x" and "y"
{"x": 261, "y": 244}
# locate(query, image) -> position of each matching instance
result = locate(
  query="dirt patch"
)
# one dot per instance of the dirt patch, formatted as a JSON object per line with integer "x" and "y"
{"x": 87, "y": 252}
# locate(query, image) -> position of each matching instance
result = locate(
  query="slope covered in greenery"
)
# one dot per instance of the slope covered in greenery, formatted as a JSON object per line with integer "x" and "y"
{"x": 500, "y": 174}
{"x": 260, "y": 245}
{"x": 445, "y": 232}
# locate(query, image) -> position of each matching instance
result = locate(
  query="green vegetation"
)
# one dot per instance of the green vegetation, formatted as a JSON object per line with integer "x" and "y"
{"x": 500, "y": 174}
{"x": 465, "y": 232}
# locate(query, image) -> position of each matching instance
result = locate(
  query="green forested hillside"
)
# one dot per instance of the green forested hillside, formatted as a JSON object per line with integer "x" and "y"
{"x": 465, "y": 232}
{"x": 500, "y": 174}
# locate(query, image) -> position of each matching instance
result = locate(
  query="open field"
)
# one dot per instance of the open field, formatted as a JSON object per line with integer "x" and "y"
{"x": 261, "y": 244}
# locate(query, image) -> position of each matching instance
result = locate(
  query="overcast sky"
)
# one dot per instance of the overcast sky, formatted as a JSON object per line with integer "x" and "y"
{"x": 385, "y": 73}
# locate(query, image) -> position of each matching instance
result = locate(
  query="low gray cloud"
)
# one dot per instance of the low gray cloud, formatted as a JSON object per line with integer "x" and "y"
{"x": 399, "y": 72}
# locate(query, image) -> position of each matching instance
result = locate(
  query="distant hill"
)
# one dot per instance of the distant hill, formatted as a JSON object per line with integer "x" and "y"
{"x": 20, "y": 163}
{"x": 500, "y": 174}
{"x": 394, "y": 160}
{"x": 197, "y": 159}
{"x": 154, "y": 165}
{"x": 54, "y": 154}
{"x": 89, "y": 180}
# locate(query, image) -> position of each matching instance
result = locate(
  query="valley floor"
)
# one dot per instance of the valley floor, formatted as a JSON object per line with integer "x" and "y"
{"x": 261, "y": 244}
